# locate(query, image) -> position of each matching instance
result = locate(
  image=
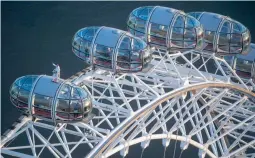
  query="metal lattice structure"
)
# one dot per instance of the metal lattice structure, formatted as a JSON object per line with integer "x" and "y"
{"x": 181, "y": 97}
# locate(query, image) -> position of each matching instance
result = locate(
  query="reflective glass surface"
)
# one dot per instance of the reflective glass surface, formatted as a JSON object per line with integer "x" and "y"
{"x": 131, "y": 52}
{"x": 244, "y": 63}
{"x": 223, "y": 35}
{"x": 82, "y": 42}
{"x": 116, "y": 50}
{"x": 42, "y": 105}
{"x": 167, "y": 28}
{"x": 103, "y": 56}
{"x": 73, "y": 103}
{"x": 20, "y": 90}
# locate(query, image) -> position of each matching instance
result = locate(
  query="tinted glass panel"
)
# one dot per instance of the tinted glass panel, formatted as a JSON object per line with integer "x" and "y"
{"x": 236, "y": 40}
{"x": 135, "y": 57}
{"x": 14, "y": 90}
{"x": 190, "y": 35}
{"x": 42, "y": 102}
{"x": 177, "y": 34}
{"x": 157, "y": 40}
{"x": 76, "y": 106}
{"x": 103, "y": 56}
{"x": 75, "y": 94}
{"x": 23, "y": 95}
{"x": 88, "y": 33}
{"x": 123, "y": 56}
{"x": 195, "y": 14}
{"x": 65, "y": 91}
{"x": 82, "y": 93}
{"x": 243, "y": 65}
{"x": 143, "y": 12}
{"x": 125, "y": 43}
{"x": 63, "y": 105}
{"x": 158, "y": 30}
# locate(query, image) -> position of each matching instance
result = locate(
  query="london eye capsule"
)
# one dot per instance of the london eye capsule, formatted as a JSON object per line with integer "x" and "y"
{"x": 59, "y": 101}
{"x": 166, "y": 28}
{"x": 111, "y": 49}
{"x": 223, "y": 35}
{"x": 244, "y": 65}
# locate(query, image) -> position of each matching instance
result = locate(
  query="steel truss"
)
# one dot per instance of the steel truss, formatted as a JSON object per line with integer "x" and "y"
{"x": 212, "y": 111}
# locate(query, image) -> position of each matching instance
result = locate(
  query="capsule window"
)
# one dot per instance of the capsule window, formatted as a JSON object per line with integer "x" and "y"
{"x": 82, "y": 93}
{"x": 75, "y": 94}
{"x": 23, "y": 96}
{"x": 42, "y": 102}
{"x": 125, "y": 43}
{"x": 236, "y": 40}
{"x": 14, "y": 90}
{"x": 103, "y": 56}
{"x": 75, "y": 106}
{"x": 158, "y": 30}
{"x": 209, "y": 37}
{"x": 132, "y": 21}
{"x": 135, "y": 57}
{"x": 243, "y": 65}
{"x": 177, "y": 34}
{"x": 77, "y": 42}
{"x": 195, "y": 14}
{"x": 65, "y": 92}
{"x": 42, "y": 105}
{"x": 140, "y": 25}
{"x": 189, "y": 38}
{"x": 63, "y": 105}
{"x": 89, "y": 33}
{"x": 19, "y": 82}
{"x": 191, "y": 22}
{"x": 236, "y": 28}
{"x": 157, "y": 34}
{"x": 81, "y": 48}
{"x": 123, "y": 56}
{"x": 138, "y": 45}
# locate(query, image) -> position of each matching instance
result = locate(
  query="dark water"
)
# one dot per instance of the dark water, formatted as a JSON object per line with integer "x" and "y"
{"x": 35, "y": 34}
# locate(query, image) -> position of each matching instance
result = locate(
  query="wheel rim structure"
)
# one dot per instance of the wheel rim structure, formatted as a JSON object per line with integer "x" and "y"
{"x": 117, "y": 98}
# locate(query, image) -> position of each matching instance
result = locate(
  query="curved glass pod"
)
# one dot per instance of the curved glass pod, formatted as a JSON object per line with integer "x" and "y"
{"x": 223, "y": 35}
{"x": 244, "y": 64}
{"x": 111, "y": 49}
{"x": 73, "y": 103}
{"x": 20, "y": 91}
{"x": 81, "y": 44}
{"x": 58, "y": 102}
{"x": 164, "y": 27}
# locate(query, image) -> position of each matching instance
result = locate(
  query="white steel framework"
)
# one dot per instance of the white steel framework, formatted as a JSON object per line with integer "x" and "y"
{"x": 221, "y": 108}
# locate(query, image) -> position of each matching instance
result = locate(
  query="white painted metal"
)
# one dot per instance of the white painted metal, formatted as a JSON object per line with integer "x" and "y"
{"x": 119, "y": 98}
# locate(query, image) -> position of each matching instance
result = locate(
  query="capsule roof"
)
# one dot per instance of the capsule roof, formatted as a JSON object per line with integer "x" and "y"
{"x": 166, "y": 27}
{"x": 223, "y": 35}
{"x": 111, "y": 49}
